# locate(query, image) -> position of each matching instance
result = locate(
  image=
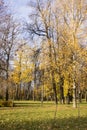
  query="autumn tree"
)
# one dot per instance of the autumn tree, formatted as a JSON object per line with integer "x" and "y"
{"x": 8, "y": 33}
{"x": 60, "y": 27}
{"x": 75, "y": 16}
{"x": 22, "y": 74}
{"x": 42, "y": 26}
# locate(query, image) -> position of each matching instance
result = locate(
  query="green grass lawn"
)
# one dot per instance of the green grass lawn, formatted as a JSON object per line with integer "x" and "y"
{"x": 28, "y": 115}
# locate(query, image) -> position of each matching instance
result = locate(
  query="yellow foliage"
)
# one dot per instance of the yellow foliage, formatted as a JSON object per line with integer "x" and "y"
{"x": 66, "y": 87}
{"x": 23, "y": 68}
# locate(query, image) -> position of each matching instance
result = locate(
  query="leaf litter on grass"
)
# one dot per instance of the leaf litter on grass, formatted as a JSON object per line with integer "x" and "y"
{"x": 42, "y": 118}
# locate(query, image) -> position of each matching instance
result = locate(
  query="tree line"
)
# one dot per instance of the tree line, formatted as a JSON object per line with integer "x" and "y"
{"x": 53, "y": 66}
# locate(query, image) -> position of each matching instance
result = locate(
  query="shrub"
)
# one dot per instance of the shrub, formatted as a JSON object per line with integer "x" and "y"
{"x": 6, "y": 104}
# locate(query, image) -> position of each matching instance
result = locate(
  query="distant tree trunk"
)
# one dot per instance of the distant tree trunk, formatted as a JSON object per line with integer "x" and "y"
{"x": 86, "y": 95}
{"x": 7, "y": 91}
{"x": 80, "y": 97}
{"x": 33, "y": 95}
{"x": 68, "y": 98}
{"x": 74, "y": 96}
{"x": 54, "y": 88}
{"x": 62, "y": 95}
{"x": 55, "y": 93}
{"x": 42, "y": 93}
{"x": 20, "y": 93}
{"x": 17, "y": 92}
{"x": 7, "y": 94}
{"x": 28, "y": 93}
{"x": 61, "y": 82}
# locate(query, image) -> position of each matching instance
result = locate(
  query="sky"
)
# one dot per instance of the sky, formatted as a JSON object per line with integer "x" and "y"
{"x": 19, "y": 8}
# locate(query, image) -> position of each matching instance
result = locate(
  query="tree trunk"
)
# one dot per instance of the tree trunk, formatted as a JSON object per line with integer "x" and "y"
{"x": 7, "y": 94}
{"x": 42, "y": 94}
{"x": 80, "y": 97}
{"x": 54, "y": 89}
{"x": 68, "y": 99}
{"x": 61, "y": 82}
{"x": 17, "y": 93}
{"x": 33, "y": 95}
{"x": 86, "y": 95}
{"x": 74, "y": 96}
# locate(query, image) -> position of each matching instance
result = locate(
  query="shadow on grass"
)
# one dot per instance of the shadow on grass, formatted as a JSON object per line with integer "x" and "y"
{"x": 27, "y": 105}
{"x": 58, "y": 124}
{"x": 34, "y": 104}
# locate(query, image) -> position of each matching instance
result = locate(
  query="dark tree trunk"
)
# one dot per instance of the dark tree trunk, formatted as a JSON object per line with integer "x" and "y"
{"x": 86, "y": 95}
{"x": 54, "y": 88}
{"x": 68, "y": 98}
{"x": 17, "y": 93}
{"x": 61, "y": 82}
{"x": 20, "y": 92}
{"x": 55, "y": 92}
{"x": 80, "y": 97}
{"x": 7, "y": 94}
{"x": 7, "y": 91}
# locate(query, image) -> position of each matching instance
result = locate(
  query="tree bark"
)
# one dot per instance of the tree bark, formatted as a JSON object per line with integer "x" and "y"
{"x": 54, "y": 88}
{"x": 74, "y": 96}
{"x": 86, "y": 95}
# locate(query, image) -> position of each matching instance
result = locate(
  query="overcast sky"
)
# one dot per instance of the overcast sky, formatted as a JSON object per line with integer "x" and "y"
{"x": 19, "y": 7}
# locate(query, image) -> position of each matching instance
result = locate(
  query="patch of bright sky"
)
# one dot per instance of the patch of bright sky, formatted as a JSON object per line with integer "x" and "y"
{"x": 20, "y": 8}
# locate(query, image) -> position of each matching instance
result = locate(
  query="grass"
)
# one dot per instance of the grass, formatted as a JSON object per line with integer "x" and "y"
{"x": 37, "y": 117}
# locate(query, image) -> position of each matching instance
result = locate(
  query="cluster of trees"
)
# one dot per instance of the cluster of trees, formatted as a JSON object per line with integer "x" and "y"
{"x": 55, "y": 67}
{"x": 8, "y": 35}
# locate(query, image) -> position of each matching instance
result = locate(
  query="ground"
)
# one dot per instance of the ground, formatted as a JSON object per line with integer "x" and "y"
{"x": 28, "y": 115}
